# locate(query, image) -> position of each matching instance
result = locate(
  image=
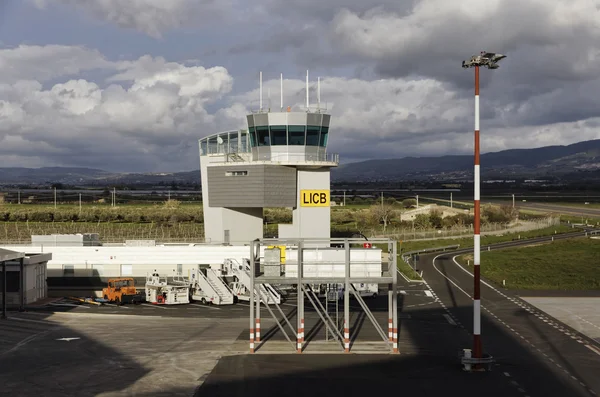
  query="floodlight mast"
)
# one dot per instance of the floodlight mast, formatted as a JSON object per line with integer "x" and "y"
{"x": 489, "y": 60}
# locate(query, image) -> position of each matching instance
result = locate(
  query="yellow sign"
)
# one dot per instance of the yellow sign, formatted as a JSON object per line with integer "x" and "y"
{"x": 314, "y": 198}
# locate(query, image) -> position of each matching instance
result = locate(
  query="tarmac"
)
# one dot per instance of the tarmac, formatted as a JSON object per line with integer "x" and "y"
{"x": 68, "y": 349}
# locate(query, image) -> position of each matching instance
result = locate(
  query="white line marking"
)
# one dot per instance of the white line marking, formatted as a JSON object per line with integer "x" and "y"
{"x": 450, "y": 320}
{"x": 453, "y": 283}
{"x": 203, "y": 306}
{"x": 32, "y": 321}
{"x": 153, "y": 306}
{"x": 506, "y": 374}
{"x": 594, "y": 349}
{"x": 428, "y": 293}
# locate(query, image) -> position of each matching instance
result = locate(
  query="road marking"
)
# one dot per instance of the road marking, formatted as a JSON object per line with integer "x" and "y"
{"x": 594, "y": 349}
{"x": 204, "y": 306}
{"x": 153, "y": 306}
{"x": 450, "y": 320}
{"x": 428, "y": 293}
{"x": 32, "y": 321}
{"x": 68, "y": 339}
{"x": 488, "y": 311}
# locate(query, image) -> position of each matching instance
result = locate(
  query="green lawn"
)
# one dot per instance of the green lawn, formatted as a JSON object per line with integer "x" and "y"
{"x": 407, "y": 270}
{"x": 572, "y": 264}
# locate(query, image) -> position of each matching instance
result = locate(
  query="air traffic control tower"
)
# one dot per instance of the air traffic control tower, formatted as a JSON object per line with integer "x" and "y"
{"x": 280, "y": 160}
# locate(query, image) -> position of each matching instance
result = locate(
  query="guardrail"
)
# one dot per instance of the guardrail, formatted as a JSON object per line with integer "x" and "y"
{"x": 435, "y": 249}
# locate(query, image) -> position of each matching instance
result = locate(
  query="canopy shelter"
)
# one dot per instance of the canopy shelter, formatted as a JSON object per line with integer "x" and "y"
{"x": 9, "y": 256}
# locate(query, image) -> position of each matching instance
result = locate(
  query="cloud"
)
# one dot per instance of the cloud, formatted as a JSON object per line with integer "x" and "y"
{"x": 146, "y": 114}
{"x": 152, "y": 17}
{"x": 142, "y": 117}
{"x": 43, "y": 63}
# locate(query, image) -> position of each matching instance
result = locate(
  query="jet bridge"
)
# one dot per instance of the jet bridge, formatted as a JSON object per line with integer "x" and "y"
{"x": 352, "y": 265}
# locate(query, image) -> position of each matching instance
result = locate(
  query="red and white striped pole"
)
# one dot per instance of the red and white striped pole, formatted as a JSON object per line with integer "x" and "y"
{"x": 476, "y": 237}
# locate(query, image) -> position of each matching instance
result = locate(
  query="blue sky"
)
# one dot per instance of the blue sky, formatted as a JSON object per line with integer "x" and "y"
{"x": 130, "y": 85}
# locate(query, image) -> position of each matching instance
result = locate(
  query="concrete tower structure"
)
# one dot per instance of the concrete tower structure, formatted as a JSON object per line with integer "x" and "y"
{"x": 280, "y": 160}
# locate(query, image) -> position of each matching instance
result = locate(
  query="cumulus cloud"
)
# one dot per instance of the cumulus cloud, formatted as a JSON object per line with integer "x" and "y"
{"x": 43, "y": 63}
{"x": 147, "y": 112}
{"x": 152, "y": 17}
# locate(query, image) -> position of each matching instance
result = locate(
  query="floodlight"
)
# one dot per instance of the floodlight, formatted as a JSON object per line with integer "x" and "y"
{"x": 486, "y": 59}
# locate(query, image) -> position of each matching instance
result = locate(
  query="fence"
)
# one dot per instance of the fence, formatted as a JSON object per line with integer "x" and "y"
{"x": 492, "y": 228}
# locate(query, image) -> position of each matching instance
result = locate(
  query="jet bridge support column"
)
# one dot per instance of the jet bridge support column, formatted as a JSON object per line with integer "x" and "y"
{"x": 394, "y": 274}
{"x": 300, "y": 304}
{"x": 252, "y": 318}
{"x": 347, "y": 299}
{"x": 390, "y": 312}
{"x": 257, "y": 328}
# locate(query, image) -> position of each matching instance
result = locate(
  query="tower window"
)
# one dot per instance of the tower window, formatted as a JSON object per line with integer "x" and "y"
{"x": 262, "y": 133}
{"x": 278, "y": 135}
{"x": 324, "y": 134}
{"x": 312, "y": 135}
{"x": 296, "y": 135}
{"x": 252, "y": 134}
{"x": 236, "y": 173}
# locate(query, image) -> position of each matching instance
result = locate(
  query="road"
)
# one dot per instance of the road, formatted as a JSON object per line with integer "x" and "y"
{"x": 562, "y": 209}
{"x": 543, "y": 356}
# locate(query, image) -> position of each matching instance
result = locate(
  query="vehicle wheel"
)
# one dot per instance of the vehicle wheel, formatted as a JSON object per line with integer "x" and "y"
{"x": 117, "y": 301}
{"x": 203, "y": 301}
{"x": 235, "y": 299}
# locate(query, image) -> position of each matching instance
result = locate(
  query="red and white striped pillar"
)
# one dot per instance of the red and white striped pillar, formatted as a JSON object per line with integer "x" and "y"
{"x": 300, "y": 335}
{"x": 391, "y": 329}
{"x": 476, "y": 236}
{"x": 346, "y": 338}
{"x": 395, "y": 340}
{"x": 251, "y": 340}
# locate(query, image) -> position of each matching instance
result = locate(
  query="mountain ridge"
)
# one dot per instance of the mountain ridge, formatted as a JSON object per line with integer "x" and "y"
{"x": 547, "y": 161}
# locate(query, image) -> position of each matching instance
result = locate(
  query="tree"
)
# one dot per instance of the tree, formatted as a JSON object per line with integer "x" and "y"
{"x": 422, "y": 221}
{"x": 435, "y": 218}
{"x": 409, "y": 203}
{"x": 382, "y": 213}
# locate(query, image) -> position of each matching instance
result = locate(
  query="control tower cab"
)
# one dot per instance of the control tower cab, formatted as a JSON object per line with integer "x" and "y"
{"x": 280, "y": 160}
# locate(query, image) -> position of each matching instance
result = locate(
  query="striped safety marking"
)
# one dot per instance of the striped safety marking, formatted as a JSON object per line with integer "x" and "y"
{"x": 390, "y": 330}
{"x": 300, "y": 335}
{"x": 395, "y": 340}
{"x": 346, "y": 340}
{"x": 258, "y": 329}
{"x": 251, "y": 340}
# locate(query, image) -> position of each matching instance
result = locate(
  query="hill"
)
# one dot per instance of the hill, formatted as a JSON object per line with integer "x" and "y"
{"x": 548, "y": 161}
{"x": 565, "y": 162}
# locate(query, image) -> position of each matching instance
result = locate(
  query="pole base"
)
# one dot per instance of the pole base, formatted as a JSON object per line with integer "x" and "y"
{"x": 472, "y": 364}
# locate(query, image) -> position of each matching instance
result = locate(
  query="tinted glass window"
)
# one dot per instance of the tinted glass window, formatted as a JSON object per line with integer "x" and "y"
{"x": 324, "y": 135}
{"x": 263, "y": 136}
{"x": 278, "y": 135}
{"x": 312, "y": 135}
{"x": 252, "y": 136}
{"x": 296, "y": 135}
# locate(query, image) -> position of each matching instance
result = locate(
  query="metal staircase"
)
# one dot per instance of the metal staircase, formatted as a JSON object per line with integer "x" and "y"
{"x": 242, "y": 272}
{"x": 212, "y": 285}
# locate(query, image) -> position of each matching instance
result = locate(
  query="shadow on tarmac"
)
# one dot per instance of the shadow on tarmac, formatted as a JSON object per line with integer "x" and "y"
{"x": 428, "y": 363}
{"x": 427, "y": 366}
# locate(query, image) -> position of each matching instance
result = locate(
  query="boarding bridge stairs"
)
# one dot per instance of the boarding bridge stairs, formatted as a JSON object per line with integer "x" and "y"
{"x": 210, "y": 282}
{"x": 268, "y": 294}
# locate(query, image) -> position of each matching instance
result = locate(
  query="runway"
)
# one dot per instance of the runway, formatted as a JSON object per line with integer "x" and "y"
{"x": 544, "y": 356}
